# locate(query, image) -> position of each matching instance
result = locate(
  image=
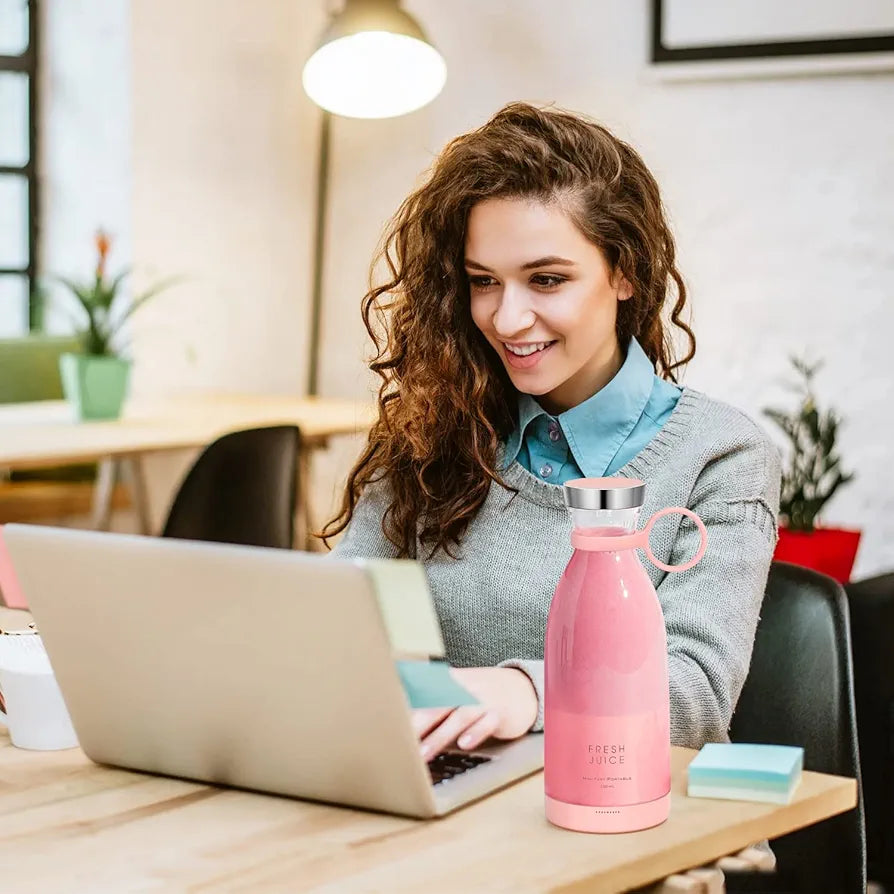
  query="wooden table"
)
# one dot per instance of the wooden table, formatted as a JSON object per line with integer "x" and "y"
{"x": 67, "y": 825}
{"x": 45, "y": 434}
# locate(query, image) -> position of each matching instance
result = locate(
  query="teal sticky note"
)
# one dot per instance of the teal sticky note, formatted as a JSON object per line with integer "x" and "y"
{"x": 429, "y": 684}
{"x": 739, "y": 762}
{"x": 746, "y": 772}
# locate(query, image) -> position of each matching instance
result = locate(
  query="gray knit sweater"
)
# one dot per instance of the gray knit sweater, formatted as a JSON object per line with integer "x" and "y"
{"x": 493, "y": 599}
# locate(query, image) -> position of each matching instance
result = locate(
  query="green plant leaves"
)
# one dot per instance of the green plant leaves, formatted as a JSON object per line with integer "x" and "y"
{"x": 100, "y": 323}
{"x": 813, "y": 474}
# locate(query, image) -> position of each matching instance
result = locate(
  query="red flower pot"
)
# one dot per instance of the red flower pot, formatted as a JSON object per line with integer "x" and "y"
{"x": 829, "y": 550}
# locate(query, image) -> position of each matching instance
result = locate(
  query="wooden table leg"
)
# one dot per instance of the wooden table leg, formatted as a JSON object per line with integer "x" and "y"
{"x": 139, "y": 493}
{"x": 299, "y": 535}
{"x": 304, "y": 521}
{"x": 303, "y": 513}
{"x": 103, "y": 490}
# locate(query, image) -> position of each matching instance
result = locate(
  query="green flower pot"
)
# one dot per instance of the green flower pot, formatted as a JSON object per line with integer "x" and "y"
{"x": 94, "y": 386}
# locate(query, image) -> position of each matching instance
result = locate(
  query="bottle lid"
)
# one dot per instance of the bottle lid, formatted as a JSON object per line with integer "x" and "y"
{"x": 604, "y": 493}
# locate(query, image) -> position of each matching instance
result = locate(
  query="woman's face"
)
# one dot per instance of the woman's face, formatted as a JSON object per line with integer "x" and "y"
{"x": 545, "y": 299}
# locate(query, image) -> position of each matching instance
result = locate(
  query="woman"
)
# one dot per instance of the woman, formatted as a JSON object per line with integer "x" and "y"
{"x": 521, "y": 343}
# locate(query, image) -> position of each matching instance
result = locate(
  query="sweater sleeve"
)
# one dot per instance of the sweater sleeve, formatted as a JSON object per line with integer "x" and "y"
{"x": 711, "y": 611}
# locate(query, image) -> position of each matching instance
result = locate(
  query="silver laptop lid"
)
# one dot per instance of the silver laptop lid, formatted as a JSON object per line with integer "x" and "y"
{"x": 264, "y": 669}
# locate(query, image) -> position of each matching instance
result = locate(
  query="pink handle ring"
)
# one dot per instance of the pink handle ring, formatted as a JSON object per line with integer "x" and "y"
{"x": 671, "y": 510}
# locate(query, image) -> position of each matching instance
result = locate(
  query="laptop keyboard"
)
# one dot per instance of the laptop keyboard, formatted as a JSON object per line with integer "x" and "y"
{"x": 452, "y": 763}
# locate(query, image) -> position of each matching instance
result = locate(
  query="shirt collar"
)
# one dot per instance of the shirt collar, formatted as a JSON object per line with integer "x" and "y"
{"x": 528, "y": 411}
{"x": 596, "y": 428}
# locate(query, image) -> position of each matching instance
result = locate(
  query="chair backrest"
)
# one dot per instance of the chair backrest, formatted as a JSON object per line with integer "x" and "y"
{"x": 871, "y": 605}
{"x": 242, "y": 489}
{"x": 29, "y": 367}
{"x": 800, "y": 691}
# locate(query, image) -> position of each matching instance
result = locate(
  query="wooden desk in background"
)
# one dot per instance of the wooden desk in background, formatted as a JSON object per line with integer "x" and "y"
{"x": 69, "y": 825}
{"x": 33, "y": 435}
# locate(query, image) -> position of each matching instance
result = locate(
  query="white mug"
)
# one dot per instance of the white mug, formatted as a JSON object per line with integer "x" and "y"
{"x": 35, "y": 711}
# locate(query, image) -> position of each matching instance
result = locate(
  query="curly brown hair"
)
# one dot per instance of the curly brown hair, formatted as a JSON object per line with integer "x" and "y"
{"x": 446, "y": 402}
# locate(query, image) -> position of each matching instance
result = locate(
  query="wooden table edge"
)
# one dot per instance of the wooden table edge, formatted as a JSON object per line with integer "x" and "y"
{"x": 312, "y": 441}
{"x": 710, "y": 848}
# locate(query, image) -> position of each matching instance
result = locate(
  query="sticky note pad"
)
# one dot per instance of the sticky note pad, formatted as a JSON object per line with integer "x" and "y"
{"x": 742, "y": 772}
{"x": 406, "y": 607}
{"x": 10, "y": 592}
{"x": 429, "y": 684}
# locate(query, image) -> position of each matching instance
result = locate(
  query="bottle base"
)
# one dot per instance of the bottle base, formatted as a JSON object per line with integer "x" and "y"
{"x": 622, "y": 818}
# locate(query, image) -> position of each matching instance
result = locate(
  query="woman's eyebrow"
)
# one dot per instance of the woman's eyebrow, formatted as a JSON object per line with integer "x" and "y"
{"x": 548, "y": 261}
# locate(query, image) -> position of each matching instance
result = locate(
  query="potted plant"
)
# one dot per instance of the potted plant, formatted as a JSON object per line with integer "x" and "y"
{"x": 95, "y": 378}
{"x": 809, "y": 481}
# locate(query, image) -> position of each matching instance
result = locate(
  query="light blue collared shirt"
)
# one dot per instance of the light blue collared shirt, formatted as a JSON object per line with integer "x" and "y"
{"x": 600, "y": 435}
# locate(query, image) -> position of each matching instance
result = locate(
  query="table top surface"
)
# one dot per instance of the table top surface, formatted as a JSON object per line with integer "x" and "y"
{"x": 46, "y": 433}
{"x": 69, "y": 825}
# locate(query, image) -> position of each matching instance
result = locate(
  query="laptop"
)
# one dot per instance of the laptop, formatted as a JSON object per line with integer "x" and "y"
{"x": 264, "y": 669}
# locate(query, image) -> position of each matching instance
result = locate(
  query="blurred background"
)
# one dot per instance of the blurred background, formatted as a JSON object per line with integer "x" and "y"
{"x": 182, "y": 130}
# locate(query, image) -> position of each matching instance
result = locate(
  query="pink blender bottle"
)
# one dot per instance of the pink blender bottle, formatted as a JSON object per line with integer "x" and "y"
{"x": 606, "y": 699}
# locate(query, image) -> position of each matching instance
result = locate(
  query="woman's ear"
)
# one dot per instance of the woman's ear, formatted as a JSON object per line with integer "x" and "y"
{"x": 623, "y": 289}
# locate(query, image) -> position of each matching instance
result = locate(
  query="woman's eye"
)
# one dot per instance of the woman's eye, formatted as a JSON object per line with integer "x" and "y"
{"x": 547, "y": 280}
{"x": 543, "y": 281}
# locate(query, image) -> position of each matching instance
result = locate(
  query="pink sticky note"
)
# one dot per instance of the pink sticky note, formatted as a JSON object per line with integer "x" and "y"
{"x": 10, "y": 591}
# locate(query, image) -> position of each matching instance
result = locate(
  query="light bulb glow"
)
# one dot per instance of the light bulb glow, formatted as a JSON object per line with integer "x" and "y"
{"x": 374, "y": 74}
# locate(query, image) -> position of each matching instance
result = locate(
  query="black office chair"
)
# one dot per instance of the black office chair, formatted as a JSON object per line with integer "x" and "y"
{"x": 242, "y": 489}
{"x": 871, "y": 605}
{"x": 799, "y": 691}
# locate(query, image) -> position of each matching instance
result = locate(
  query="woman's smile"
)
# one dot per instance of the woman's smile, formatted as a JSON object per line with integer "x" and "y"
{"x": 527, "y": 355}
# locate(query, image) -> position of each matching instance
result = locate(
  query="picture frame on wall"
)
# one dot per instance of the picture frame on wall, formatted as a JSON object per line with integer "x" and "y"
{"x": 698, "y": 39}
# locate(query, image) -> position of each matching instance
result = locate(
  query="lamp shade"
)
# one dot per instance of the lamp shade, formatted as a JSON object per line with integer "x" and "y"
{"x": 374, "y": 61}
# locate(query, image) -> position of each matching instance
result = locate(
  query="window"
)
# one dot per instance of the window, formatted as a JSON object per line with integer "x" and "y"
{"x": 19, "y": 310}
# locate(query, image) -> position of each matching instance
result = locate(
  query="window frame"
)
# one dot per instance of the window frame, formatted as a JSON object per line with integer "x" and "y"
{"x": 27, "y": 63}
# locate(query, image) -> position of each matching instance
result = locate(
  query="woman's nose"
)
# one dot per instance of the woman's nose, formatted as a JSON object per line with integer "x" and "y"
{"x": 514, "y": 313}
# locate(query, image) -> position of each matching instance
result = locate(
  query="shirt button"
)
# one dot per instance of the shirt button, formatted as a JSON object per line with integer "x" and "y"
{"x": 554, "y": 433}
{"x": 546, "y": 470}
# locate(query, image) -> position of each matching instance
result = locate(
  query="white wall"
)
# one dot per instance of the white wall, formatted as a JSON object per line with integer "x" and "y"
{"x": 223, "y": 142}
{"x": 781, "y": 193}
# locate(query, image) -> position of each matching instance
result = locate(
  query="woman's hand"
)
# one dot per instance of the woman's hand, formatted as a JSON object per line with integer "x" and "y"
{"x": 507, "y": 709}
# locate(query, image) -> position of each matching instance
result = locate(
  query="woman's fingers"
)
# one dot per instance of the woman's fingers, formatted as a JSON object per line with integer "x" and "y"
{"x": 481, "y": 730}
{"x": 447, "y": 732}
{"x": 426, "y": 719}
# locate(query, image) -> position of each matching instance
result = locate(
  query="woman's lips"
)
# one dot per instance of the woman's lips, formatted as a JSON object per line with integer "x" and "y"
{"x": 528, "y": 361}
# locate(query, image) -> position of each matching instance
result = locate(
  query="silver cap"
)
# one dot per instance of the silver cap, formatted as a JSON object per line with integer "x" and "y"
{"x": 604, "y": 493}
